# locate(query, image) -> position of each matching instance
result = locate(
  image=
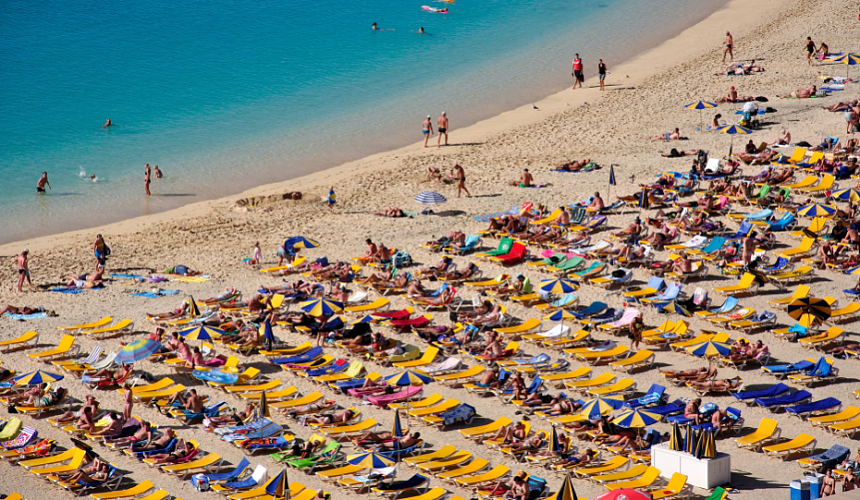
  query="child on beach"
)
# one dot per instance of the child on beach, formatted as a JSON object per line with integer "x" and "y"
{"x": 331, "y": 199}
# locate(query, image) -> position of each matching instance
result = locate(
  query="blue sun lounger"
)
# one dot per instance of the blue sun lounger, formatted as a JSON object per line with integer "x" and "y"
{"x": 653, "y": 395}
{"x": 301, "y": 358}
{"x": 743, "y": 231}
{"x": 773, "y": 391}
{"x": 787, "y": 221}
{"x": 820, "y": 406}
{"x": 830, "y": 458}
{"x": 774, "y": 404}
{"x": 733, "y": 414}
{"x": 592, "y": 309}
{"x": 780, "y": 265}
{"x": 397, "y": 487}
{"x": 336, "y": 367}
{"x": 236, "y": 473}
{"x": 782, "y": 371}
{"x": 676, "y": 406}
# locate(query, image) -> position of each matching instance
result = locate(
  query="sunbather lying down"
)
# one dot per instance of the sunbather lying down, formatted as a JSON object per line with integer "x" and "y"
{"x": 574, "y": 166}
{"x": 802, "y": 93}
{"x": 723, "y": 385}
{"x": 393, "y": 212}
{"x": 91, "y": 280}
{"x": 674, "y": 135}
{"x": 403, "y": 443}
{"x": 674, "y": 153}
{"x": 693, "y": 374}
{"x": 311, "y": 408}
{"x": 180, "y": 270}
{"x": 25, "y": 310}
{"x": 742, "y": 69}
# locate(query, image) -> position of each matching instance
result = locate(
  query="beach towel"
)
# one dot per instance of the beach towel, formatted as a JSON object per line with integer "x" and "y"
{"x": 193, "y": 279}
{"x": 22, "y": 317}
{"x": 67, "y": 289}
{"x": 122, "y": 275}
{"x": 460, "y": 413}
{"x": 155, "y": 295}
{"x": 487, "y": 217}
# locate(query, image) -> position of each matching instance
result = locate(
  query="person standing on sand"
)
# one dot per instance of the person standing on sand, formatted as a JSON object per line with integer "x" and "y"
{"x": 101, "y": 251}
{"x": 42, "y": 182}
{"x": 443, "y": 129}
{"x": 461, "y": 180}
{"x": 427, "y": 129}
{"x": 601, "y": 72}
{"x": 147, "y": 178}
{"x": 331, "y": 199}
{"x": 577, "y": 71}
{"x": 810, "y": 50}
{"x": 23, "y": 269}
{"x": 729, "y": 43}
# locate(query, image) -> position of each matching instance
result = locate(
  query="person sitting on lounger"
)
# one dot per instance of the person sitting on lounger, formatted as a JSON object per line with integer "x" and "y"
{"x": 683, "y": 265}
{"x": 228, "y": 293}
{"x": 112, "y": 429}
{"x": 802, "y": 93}
{"x": 533, "y": 443}
{"x": 440, "y": 268}
{"x": 155, "y": 444}
{"x": 511, "y": 433}
{"x": 574, "y": 166}
{"x": 674, "y": 135}
{"x": 392, "y": 212}
{"x": 490, "y": 379}
{"x": 180, "y": 270}
{"x": 95, "y": 472}
{"x": 111, "y": 376}
{"x": 235, "y": 418}
{"x": 443, "y": 299}
{"x": 596, "y": 204}
{"x": 502, "y": 487}
{"x": 403, "y": 443}
{"x": 174, "y": 314}
{"x": 193, "y": 403}
{"x": 691, "y": 410}
{"x": 511, "y": 287}
{"x": 70, "y": 416}
{"x": 331, "y": 418}
{"x": 633, "y": 228}
{"x": 724, "y": 385}
{"x": 142, "y": 435}
{"x": 183, "y": 450}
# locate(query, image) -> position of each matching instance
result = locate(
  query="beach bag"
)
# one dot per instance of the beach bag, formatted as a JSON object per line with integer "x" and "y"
{"x": 401, "y": 259}
{"x": 200, "y": 482}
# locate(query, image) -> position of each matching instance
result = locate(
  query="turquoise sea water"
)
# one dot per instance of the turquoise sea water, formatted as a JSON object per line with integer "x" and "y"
{"x": 224, "y": 95}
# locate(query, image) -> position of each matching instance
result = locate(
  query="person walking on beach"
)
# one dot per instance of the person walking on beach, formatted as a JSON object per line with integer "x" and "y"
{"x": 42, "y": 182}
{"x": 729, "y": 43}
{"x": 21, "y": 261}
{"x": 427, "y": 129}
{"x": 461, "y": 180}
{"x": 810, "y": 50}
{"x": 577, "y": 71}
{"x": 443, "y": 129}
{"x": 147, "y": 178}
{"x": 101, "y": 251}
{"x": 331, "y": 199}
{"x": 601, "y": 72}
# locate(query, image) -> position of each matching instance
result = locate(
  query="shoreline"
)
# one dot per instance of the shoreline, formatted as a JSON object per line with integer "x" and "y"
{"x": 471, "y": 134}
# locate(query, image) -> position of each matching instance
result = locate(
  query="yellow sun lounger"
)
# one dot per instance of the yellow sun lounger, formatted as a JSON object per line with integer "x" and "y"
{"x": 447, "y": 463}
{"x": 848, "y": 428}
{"x": 681, "y": 346}
{"x": 341, "y": 432}
{"x": 595, "y": 357}
{"x": 462, "y": 377}
{"x": 798, "y": 252}
{"x": 119, "y": 329}
{"x": 441, "y": 453}
{"x": 204, "y": 464}
{"x": 816, "y": 226}
{"x": 583, "y": 385}
{"x": 621, "y": 386}
{"x": 747, "y": 285}
{"x": 847, "y": 313}
{"x": 478, "y": 432}
{"x": 821, "y": 340}
{"x": 426, "y": 358}
{"x": 578, "y": 337}
{"x": 473, "y": 467}
{"x": 20, "y": 342}
{"x": 431, "y": 400}
{"x": 337, "y": 473}
{"x": 645, "y": 481}
{"x": 354, "y": 370}
{"x": 529, "y": 326}
{"x": 282, "y": 269}
{"x": 825, "y": 184}
{"x": 800, "y": 292}
{"x": 631, "y": 473}
{"x": 677, "y": 484}
{"x": 74, "y": 462}
{"x": 138, "y": 489}
{"x": 783, "y": 450}
{"x": 558, "y": 379}
{"x": 164, "y": 383}
{"x": 244, "y": 377}
{"x": 642, "y": 359}
{"x": 826, "y": 421}
{"x": 292, "y": 351}
{"x": 493, "y": 474}
{"x": 767, "y": 432}
{"x": 610, "y": 465}
{"x": 63, "y": 350}
{"x": 435, "y": 410}
{"x": 376, "y": 305}
{"x": 87, "y": 326}
{"x": 313, "y": 397}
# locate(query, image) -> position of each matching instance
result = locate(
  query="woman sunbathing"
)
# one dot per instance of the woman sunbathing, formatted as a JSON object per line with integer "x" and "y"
{"x": 23, "y": 310}
{"x": 228, "y": 293}
{"x": 111, "y": 376}
{"x": 113, "y": 429}
{"x": 675, "y": 153}
{"x": 174, "y": 314}
{"x": 444, "y": 298}
{"x": 633, "y": 228}
{"x": 563, "y": 407}
{"x": 582, "y": 458}
{"x": 703, "y": 373}
{"x": 156, "y": 444}
{"x": 674, "y": 135}
{"x": 311, "y": 408}
{"x": 232, "y": 419}
{"x": 403, "y": 443}
{"x": 96, "y": 472}
{"x": 491, "y": 318}
{"x": 724, "y": 385}
{"x": 183, "y": 450}
{"x": 181, "y": 271}
{"x": 142, "y": 435}
{"x": 461, "y": 275}
{"x": 802, "y": 93}
{"x": 511, "y": 287}
{"x": 303, "y": 450}
{"x": 331, "y": 418}
{"x": 574, "y": 166}
{"x": 89, "y": 402}
{"x": 392, "y": 212}
{"x": 440, "y": 268}
{"x": 511, "y": 433}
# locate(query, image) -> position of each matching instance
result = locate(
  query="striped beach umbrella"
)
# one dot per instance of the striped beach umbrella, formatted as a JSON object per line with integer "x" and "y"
{"x": 848, "y": 60}
{"x": 809, "y": 310}
{"x": 397, "y": 427}
{"x": 266, "y": 332}
{"x": 557, "y": 285}
{"x": 710, "y": 445}
{"x": 368, "y": 318}
{"x": 369, "y": 460}
{"x": 850, "y": 194}
{"x": 409, "y": 377}
{"x": 278, "y": 486}
{"x": 816, "y": 210}
{"x": 624, "y": 494}
{"x": 701, "y": 105}
{"x": 137, "y": 350}
{"x": 193, "y": 310}
{"x": 675, "y": 438}
{"x": 710, "y": 349}
{"x": 733, "y": 130}
{"x": 689, "y": 445}
{"x": 600, "y": 406}
{"x": 560, "y": 315}
{"x": 321, "y": 307}
{"x": 554, "y": 441}
{"x": 37, "y": 377}
{"x": 644, "y": 200}
{"x": 566, "y": 492}
{"x": 201, "y": 332}
{"x": 636, "y": 418}
{"x": 300, "y": 242}
{"x": 429, "y": 198}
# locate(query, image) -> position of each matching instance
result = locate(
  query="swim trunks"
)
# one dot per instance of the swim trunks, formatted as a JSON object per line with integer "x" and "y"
{"x": 442, "y": 130}
{"x": 578, "y": 75}
{"x": 426, "y": 131}
{"x": 602, "y": 76}
{"x": 40, "y": 189}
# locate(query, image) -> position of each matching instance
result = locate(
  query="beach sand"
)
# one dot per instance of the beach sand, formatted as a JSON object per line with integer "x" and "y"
{"x": 645, "y": 97}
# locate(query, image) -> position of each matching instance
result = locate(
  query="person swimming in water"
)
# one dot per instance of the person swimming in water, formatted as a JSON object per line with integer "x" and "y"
{"x": 374, "y": 27}
{"x": 107, "y": 124}
{"x": 158, "y": 174}
{"x": 421, "y": 30}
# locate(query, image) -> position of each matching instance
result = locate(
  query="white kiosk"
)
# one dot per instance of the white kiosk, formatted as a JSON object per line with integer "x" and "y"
{"x": 705, "y": 473}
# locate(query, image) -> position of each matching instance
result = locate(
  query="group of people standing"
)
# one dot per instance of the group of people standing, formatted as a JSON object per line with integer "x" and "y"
{"x": 579, "y": 76}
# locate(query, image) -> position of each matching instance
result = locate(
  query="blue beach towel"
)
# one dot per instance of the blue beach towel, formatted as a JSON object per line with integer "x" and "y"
{"x": 155, "y": 295}
{"x": 121, "y": 275}
{"x": 22, "y": 317}
{"x": 69, "y": 290}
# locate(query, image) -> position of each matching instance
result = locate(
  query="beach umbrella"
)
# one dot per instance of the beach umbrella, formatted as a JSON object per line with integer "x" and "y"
{"x": 89, "y": 454}
{"x": 554, "y": 441}
{"x": 37, "y": 377}
{"x": 300, "y": 242}
{"x": 689, "y": 445}
{"x": 733, "y": 130}
{"x": 278, "y": 487}
{"x": 268, "y": 335}
{"x": 809, "y": 310}
{"x": 193, "y": 310}
{"x": 676, "y": 440}
{"x": 397, "y": 432}
{"x": 710, "y": 349}
{"x": 850, "y": 194}
{"x": 700, "y": 105}
{"x": 263, "y": 408}
{"x": 566, "y": 492}
{"x": 557, "y": 285}
{"x": 700, "y": 445}
{"x": 816, "y": 210}
{"x": 599, "y": 406}
{"x": 429, "y": 198}
{"x": 848, "y": 60}
{"x": 710, "y": 450}
{"x": 644, "y": 200}
{"x": 675, "y": 308}
{"x": 369, "y": 460}
{"x": 636, "y": 418}
{"x": 409, "y": 377}
{"x": 612, "y": 181}
{"x": 137, "y": 350}
{"x": 201, "y": 332}
{"x": 321, "y": 307}
{"x": 368, "y": 318}
{"x": 624, "y": 494}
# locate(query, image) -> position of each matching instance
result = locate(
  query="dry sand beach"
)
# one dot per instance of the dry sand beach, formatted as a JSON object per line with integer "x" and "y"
{"x": 644, "y": 98}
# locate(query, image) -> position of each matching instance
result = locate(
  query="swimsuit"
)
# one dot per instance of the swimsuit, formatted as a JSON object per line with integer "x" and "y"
{"x": 442, "y": 130}
{"x": 40, "y": 189}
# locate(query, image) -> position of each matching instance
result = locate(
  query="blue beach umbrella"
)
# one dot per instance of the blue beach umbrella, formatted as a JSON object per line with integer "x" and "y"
{"x": 816, "y": 210}
{"x": 278, "y": 487}
{"x": 850, "y": 194}
{"x": 429, "y": 198}
{"x": 848, "y": 60}
{"x": 300, "y": 242}
{"x": 604, "y": 405}
{"x": 268, "y": 335}
{"x": 409, "y": 377}
{"x": 37, "y": 377}
{"x": 554, "y": 441}
{"x": 397, "y": 428}
{"x": 201, "y": 332}
{"x": 321, "y": 307}
{"x": 137, "y": 350}
{"x": 733, "y": 130}
{"x": 637, "y": 418}
{"x": 710, "y": 349}
{"x": 612, "y": 181}
{"x": 369, "y": 460}
{"x": 700, "y": 105}
{"x": 557, "y": 285}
